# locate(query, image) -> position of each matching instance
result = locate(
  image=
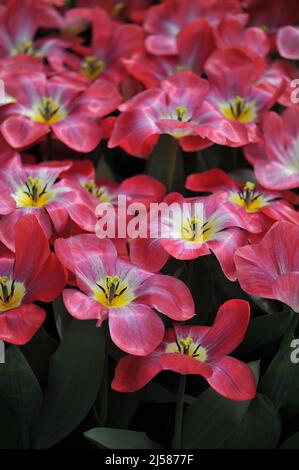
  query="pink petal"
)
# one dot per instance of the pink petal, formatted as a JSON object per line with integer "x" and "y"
{"x": 161, "y": 45}
{"x": 210, "y": 181}
{"x": 148, "y": 254}
{"x": 233, "y": 379}
{"x": 183, "y": 364}
{"x": 288, "y": 42}
{"x": 225, "y": 250}
{"x": 17, "y": 326}
{"x": 258, "y": 266}
{"x": 78, "y": 132}
{"x": 167, "y": 295}
{"x": 82, "y": 307}
{"x": 8, "y": 225}
{"x": 87, "y": 257}
{"x": 133, "y": 373}
{"x": 229, "y": 328}
{"x": 31, "y": 247}
{"x": 286, "y": 289}
{"x": 135, "y": 329}
{"x": 100, "y": 99}
{"x": 20, "y": 131}
{"x": 133, "y": 128}
{"x": 49, "y": 282}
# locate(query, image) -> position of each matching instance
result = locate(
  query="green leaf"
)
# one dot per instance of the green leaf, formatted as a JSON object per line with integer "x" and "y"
{"x": 198, "y": 275}
{"x": 156, "y": 393}
{"x": 122, "y": 407}
{"x": 281, "y": 380}
{"x": 120, "y": 439}
{"x": 21, "y": 392}
{"x": 62, "y": 317}
{"x": 210, "y": 420}
{"x": 37, "y": 353}
{"x": 75, "y": 376}
{"x": 263, "y": 330}
{"x": 291, "y": 443}
{"x": 166, "y": 163}
{"x": 259, "y": 429}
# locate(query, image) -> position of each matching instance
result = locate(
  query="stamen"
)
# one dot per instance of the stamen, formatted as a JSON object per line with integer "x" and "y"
{"x": 92, "y": 67}
{"x": 48, "y": 108}
{"x": 112, "y": 289}
{"x": 181, "y": 112}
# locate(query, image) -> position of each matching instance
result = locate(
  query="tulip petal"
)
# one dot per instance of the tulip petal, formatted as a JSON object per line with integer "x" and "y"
{"x": 31, "y": 248}
{"x": 49, "y": 282}
{"x": 228, "y": 329}
{"x": 233, "y": 379}
{"x": 133, "y": 373}
{"x": 183, "y": 364}
{"x": 17, "y": 326}
{"x": 168, "y": 295}
{"x": 20, "y": 131}
{"x": 286, "y": 289}
{"x": 82, "y": 307}
{"x": 78, "y": 132}
{"x": 136, "y": 329}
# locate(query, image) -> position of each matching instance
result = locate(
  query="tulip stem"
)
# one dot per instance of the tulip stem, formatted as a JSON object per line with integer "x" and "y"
{"x": 172, "y": 159}
{"x": 178, "y": 424}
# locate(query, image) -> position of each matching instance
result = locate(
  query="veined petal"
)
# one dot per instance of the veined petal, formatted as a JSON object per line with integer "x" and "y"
{"x": 185, "y": 365}
{"x": 136, "y": 329}
{"x": 168, "y": 295}
{"x": 82, "y": 307}
{"x": 286, "y": 289}
{"x": 232, "y": 379}
{"x": 18, "y": 326}
{"x": 134, "y": 372}
{"x": 88, "y": 257}
{"x": 228, "y": 329}
{"x": 225, "y": 248}
{"x": 20, "y": 131}
{"x": 31, "y": 248}
{"x": 78, "y": 132}
{"x": 49, "y": 282}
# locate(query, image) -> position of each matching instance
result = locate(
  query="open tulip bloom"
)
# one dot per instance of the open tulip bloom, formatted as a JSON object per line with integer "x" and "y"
{"x": 198, "y": 350}
{"x": 32, "y": 274}
{"x": 32, "y": 189}
{"x": 276, "y": 162}
{"x": 58, "y": 106}
{"x": 206, "y": 225}
{"x": 254, "y": 204}
{"x": 113, "y": 288}
{"x": 149, "y": 175}
{"x": 271, "y": 268}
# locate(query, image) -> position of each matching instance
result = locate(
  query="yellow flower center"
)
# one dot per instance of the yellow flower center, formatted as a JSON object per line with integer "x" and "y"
{"x": 181, "y": 112}
{"x": 194, "y": 231}
{"x": 117, "y": 8}
{"x": 237, "y": 109}
{"x": 100, "y": 192}
{"x": 33, "y": 194}
{"x": 113, "y": 292}
{"x": 48, "y": 112}
{"x": 92, "y": 67}
{"x": 249, "y": 198}
{"x": 181, "y": 68}
{"x": 11, "y": 294}
{"x": 25, "y": 47}
{"x": 188, "y": 347}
